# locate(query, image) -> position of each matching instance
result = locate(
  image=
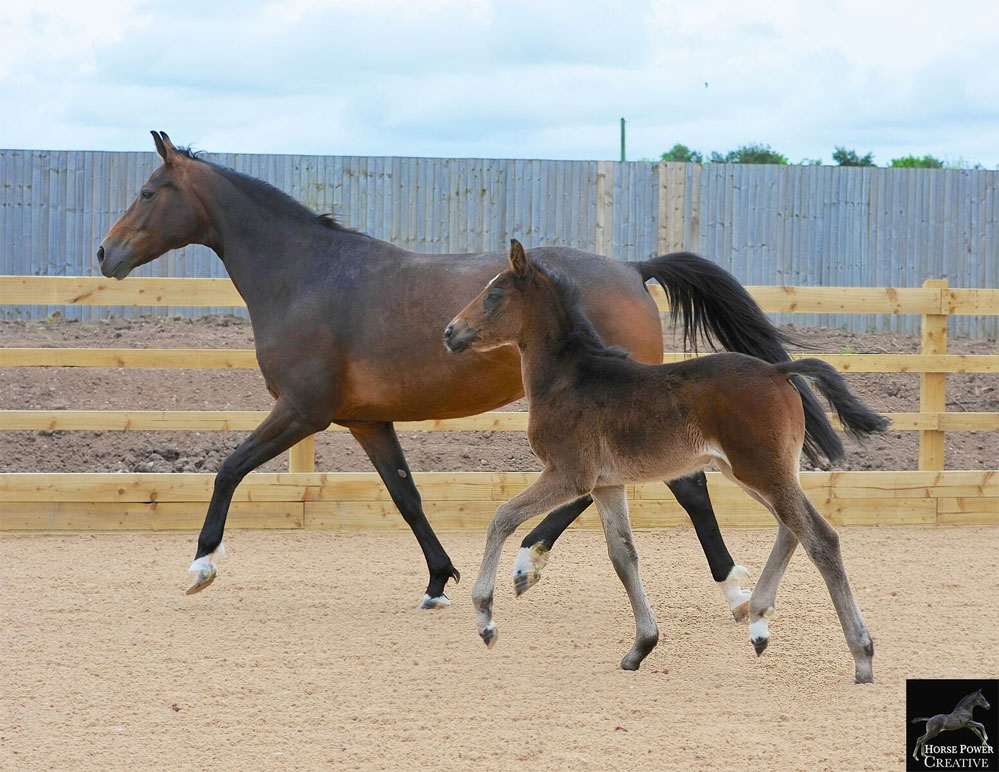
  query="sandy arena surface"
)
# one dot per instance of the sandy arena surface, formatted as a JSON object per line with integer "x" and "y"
{"x": 308, "y": 653}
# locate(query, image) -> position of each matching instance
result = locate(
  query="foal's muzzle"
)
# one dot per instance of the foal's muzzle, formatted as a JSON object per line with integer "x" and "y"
{"x": 458, "y": 337}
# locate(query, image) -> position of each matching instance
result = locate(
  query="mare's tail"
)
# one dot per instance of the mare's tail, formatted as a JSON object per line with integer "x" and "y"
{"x": 713, "y": 304}
{"x": 858, "y": 419}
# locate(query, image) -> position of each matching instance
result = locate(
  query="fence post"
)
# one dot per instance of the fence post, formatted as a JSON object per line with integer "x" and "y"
{"x": 933, "y": 386}
{"x": 672, "y": 204}
{"x": 302, "y": 457}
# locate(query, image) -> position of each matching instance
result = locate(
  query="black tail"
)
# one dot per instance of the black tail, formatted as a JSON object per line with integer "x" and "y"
{"x": 715, "y": 306}
{"x": 858, "y": 419}
{"x": 917, "y": 720}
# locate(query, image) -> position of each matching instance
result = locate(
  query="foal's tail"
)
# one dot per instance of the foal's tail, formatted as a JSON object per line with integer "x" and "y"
{"x": 858, "y": 419}
{"x": 714, "y": 305}
{"x": 917, "y": 720}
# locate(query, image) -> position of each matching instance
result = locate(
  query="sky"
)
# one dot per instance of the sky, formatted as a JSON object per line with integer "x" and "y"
{"x": 504, "y": 78}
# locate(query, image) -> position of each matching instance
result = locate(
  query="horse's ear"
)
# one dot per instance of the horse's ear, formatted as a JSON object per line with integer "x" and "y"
{"x": 518, "y": 258}
{"x": 160, "y": 148}
{"x": 164, "y": 146}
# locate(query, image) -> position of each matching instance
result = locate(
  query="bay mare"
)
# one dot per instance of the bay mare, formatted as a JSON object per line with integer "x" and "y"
{"x": 347, "y": 330}
{"x": 599, "y": 420}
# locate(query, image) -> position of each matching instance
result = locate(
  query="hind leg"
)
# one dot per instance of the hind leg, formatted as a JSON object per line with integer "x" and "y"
{"x": 763, "y": 599}
{"x": 612, "y": 504}
{"x": 921, "y": 742}
{"x": 380, "y": 442}
{"x": 821, "y": 542}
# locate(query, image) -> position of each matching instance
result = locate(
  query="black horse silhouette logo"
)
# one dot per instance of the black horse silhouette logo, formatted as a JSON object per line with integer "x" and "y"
{"x": 959, "y": 718}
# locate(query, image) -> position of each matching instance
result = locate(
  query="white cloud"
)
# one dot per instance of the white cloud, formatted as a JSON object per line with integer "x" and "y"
{"x": 494, "y": 78}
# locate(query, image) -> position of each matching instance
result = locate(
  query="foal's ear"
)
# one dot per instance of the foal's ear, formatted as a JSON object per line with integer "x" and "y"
{"x": 164, "y": 146}
{"x": 518, "y": 258}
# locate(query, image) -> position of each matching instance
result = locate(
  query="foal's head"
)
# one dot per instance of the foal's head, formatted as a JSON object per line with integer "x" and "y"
{"x": 165, "y": 215}
{"x": 496, "y": 316}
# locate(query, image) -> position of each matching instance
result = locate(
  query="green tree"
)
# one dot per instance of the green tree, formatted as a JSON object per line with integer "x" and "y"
{"x": 844, "y": 157}
{"x": 683, "y": 154}
{"x": 749, "y": 154}
{"x": 914, "y": 162}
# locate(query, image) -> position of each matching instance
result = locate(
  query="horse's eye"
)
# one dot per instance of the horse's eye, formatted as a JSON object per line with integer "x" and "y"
{"x": 493, "y": 298}
{"x": 147, "y": 194}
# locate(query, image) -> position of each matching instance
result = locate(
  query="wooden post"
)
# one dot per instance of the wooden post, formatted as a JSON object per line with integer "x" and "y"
{"x": 302, "y": 457}
{"x": 604, "y": 236}
{"x": 933, "y": 386}
{"x": 672, "y": 192}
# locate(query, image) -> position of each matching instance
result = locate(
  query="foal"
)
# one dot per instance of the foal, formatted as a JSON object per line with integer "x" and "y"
{"x": 599, "y": 420}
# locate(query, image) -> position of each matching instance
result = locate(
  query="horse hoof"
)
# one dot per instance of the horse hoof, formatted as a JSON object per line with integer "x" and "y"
{"x": 630, "y": 664}
{"x": 205, "y": 576}
{"x": 433, "y": 604}
{"x": 522, "y": 582}
{"x": 740, "y": 612}
{"x": 489, "y": 635}
{"x": 760, "y": 645}
{"x": 527, "y": 567}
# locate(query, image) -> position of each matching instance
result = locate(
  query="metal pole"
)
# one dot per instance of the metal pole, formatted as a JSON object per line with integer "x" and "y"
{"x": 622, "y": 139}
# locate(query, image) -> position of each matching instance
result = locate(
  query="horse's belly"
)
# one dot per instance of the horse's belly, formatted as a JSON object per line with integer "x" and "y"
{"x": 447, "y": 388}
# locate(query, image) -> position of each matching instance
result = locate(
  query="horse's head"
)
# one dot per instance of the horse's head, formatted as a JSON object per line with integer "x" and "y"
{"x": 981, "y": 701}
{"x": 165, "y": 215}
{"x": 495, "y": 317}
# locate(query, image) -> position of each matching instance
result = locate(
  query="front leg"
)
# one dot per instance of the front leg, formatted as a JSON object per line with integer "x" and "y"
{"x": 550, "y": 490}
{"x": 979, "y": 729}
{"x": 380, "y": 442}
{"x": 282, "y": 428}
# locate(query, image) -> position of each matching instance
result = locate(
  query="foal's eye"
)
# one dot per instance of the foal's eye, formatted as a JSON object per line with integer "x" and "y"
{"x": 146, "y": 194}
{"x": 493, "y": 298}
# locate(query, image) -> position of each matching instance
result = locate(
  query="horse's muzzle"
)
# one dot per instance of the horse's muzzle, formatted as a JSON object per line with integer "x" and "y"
{"x": 112, "y": 263}
{"x": 458, "y": 337}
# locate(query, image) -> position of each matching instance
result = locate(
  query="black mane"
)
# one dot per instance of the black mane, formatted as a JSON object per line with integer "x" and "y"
{"x": 579, "y": 331}
{"x": 273, "y": 197}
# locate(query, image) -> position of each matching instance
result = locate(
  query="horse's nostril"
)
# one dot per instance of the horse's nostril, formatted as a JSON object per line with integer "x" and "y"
{"x": 448, "y": 331}
{"x": 100, "y": 254}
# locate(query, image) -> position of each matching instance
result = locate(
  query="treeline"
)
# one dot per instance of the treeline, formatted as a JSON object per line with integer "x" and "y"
{"x": 764, "y": 154}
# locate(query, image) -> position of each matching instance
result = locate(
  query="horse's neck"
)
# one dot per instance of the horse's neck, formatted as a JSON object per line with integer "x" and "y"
{"x": 967, "y": 704}
{"x": 544, "y": 359}
{"x": 265, "y": 252}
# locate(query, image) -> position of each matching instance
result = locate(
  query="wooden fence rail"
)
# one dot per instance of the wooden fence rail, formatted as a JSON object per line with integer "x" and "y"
{"x": 304, "y": 499}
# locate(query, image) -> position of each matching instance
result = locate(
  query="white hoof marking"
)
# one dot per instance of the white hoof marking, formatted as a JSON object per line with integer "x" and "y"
{"x": 731, "y": 586}
{"x": 441, "y": 601}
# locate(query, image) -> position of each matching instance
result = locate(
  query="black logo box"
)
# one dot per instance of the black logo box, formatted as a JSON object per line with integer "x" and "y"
{"x": 929, "y": 697}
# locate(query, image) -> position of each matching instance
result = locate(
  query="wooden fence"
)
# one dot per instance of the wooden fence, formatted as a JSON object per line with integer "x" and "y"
{"x": 306, "y": 499}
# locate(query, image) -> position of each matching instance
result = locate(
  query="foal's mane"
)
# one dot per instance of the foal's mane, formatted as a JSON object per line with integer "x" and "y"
{"x": 268, "y": 195}
{"x": 578, "y": 331}
{"x": 968, "y": 699}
